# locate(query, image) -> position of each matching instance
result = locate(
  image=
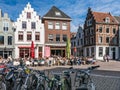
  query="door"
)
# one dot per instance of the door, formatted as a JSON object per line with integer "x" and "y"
{"x": 113, "y": 53}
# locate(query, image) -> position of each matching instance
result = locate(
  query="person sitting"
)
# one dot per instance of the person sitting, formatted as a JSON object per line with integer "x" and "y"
{"x": 90, "y": 60}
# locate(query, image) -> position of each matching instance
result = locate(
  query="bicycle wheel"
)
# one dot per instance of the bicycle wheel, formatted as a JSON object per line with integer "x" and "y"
{"x": 91, "y": 86}
{"x": 2, "y": 86}
{"x": 81, "y": 89}
{"x": 40, "y": 87}
{"x": 66, "y": 84}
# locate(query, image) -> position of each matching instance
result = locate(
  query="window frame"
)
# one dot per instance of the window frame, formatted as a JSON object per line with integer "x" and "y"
{"x": 24, "y": 25}
{"x": 29, "y": 36}
{"x": 64, "y": 26}
{"x": 28, "y": 15}
{"x": 10, "y": 38}
{"x": 50, "y": 25}
{"x": 20, "y": 36}
{"x": 57, "y": 37}
{"x": 100, "y": 54}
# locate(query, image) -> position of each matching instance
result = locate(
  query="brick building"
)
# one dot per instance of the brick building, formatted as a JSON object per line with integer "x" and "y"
{"x": 100, "y": 35}
{"x": 57, "y": 31}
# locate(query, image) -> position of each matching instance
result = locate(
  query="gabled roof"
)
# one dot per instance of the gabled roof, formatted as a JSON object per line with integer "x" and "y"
{"x": 55, "y": 13}
{"x": 100, "y": 17}
{"x": 117, "y": 18}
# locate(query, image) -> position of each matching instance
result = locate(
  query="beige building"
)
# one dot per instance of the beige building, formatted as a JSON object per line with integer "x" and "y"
{"x": 6, "y": 36}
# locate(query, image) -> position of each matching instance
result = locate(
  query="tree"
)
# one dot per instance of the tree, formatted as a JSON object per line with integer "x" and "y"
{"x": 68, "y": 48}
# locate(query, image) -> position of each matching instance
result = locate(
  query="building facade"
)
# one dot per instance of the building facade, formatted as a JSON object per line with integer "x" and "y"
{"x": 29, "y": 28}
{"x": 6, "y": 36}
{"x": 57, "y": 31}
{"x": 77, "y": 43}
{"x": 100, "y": 35}
{"x": 118, "y": 20}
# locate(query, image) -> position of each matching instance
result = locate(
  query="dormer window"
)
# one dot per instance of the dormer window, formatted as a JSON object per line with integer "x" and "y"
{"x": 57, "y": 13}
{"x": 107, "y": 20}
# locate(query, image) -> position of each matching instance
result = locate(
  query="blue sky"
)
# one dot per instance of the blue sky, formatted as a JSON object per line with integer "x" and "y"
{"x": 76, "y": 9}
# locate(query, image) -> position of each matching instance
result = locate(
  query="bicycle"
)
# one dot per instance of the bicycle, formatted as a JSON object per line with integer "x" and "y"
{"x": 21, "y": 76}
{"x": 2, "y": 79}
{"x": 61, "y": 81}
{"x": 84, "y": 79}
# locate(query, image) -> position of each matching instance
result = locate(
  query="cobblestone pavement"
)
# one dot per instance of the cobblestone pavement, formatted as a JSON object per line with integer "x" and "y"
{"x": 107, "y": 77}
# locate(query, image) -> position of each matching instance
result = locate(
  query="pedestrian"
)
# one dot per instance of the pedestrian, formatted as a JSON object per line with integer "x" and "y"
{"x": 71, "y": 62}
{"x": 104, "y": 58}
{"x": 107, "y": 57}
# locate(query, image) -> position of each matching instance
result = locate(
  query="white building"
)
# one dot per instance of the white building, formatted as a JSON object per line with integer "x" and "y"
{"x": 29, "y": 28}
{"x": 77, "y": 43}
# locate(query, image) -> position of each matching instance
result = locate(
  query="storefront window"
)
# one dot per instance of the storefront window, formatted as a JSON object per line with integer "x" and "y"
{"x": 1, "y": 40}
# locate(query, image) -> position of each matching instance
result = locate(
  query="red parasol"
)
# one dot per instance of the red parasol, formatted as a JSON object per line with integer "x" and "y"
{"x": 32, "y": 50}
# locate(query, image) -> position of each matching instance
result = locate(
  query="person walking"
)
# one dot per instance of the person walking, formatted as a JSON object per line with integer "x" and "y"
{"x": 104, "y": 58}
{"x": 107, "y": 57}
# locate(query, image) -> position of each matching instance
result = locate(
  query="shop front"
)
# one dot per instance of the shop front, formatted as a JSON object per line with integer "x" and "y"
{"x": 58, "y": 51}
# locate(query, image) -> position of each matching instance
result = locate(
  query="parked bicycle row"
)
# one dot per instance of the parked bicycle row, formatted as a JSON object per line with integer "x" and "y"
{"x": 23, "y": 78}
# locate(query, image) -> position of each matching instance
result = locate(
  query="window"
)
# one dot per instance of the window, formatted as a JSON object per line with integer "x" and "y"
{"x": 20, "y": 36}
{"x": 5, "y": 26}
{"x": 107, "y": 51}
{"x": 100, "y": 51}
{"x": 114, "y": 30}
{"x": 24, "y": 52}
{"x": 57, "y": 13}
{"x": 114, "y": 40}
{"x": 1, "y": 40}
{"x": 50, "y": 37}
{"x": 64, "y": 26}
{"x": 29, "y": 36}
{"x": 107, "y": 30}
{"x": 28, "y": 15}
{"x": 107, "y": 20}
{"x": 24, "y": 26}
{"x": 81, "y": 41}
{"x": 89, "y": 22}
{"x": 100, "y": 39}
{"x": 91, "y": 41}
{"x": 107, "y": 39}
{"x": 58, "y": 37}
{"x": 92, "y": 51}
{"x": 9, "y": 40}
{"x": 79, "y": 35}
{"x": 100, "y": 29}
{"x": 50, "y": 25}
{"x": 57, "y": 25}
{"x": 37, "y": 36}
{"x": 33, "y": 25}
{"x": 87, "y": 50}
{"x": 64, "y": 38}
{"x": 78, "y": 42}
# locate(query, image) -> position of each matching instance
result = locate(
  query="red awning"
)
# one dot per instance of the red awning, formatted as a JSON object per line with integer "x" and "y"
{"x": 24, "y": 47}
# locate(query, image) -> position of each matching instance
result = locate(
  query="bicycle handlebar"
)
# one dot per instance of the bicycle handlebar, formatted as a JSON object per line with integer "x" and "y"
{"x": 93, "y": 67}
